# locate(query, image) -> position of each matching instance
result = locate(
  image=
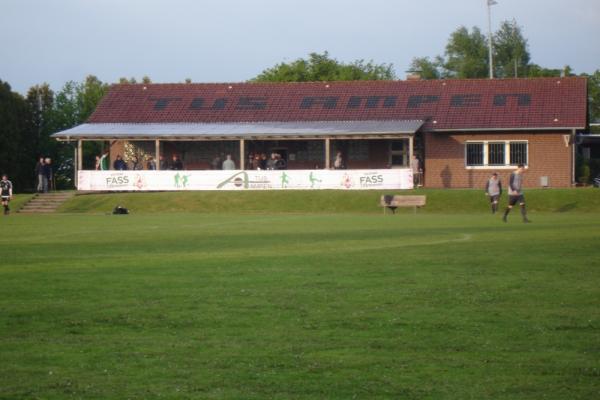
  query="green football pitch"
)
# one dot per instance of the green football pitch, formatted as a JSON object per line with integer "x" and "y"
{"x": 300, "y": 306}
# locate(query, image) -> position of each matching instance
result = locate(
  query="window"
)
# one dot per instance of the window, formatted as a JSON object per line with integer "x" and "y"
{"x": 518, "y": 153}
{"x": 399, "y": 153}
{"x": 475, "y": 153}
{"x": 496, "y": 154}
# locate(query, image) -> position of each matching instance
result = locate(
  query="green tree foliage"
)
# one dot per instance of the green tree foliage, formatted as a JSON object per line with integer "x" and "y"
{"x": 321, "y": 67}
{"x": 466, "y": 54}
{"x": 17, "y": 138}
{"x": 52, "y": 112}
{"x": 511, "y": 54}
{"x": 427, "y": 68}
{"x": 594, "y": 95}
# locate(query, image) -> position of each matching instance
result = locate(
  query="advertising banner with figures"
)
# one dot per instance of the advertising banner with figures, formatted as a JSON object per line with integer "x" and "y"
{"x": 245, "y": 180}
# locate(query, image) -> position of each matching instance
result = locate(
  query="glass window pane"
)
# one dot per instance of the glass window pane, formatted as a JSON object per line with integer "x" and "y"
{"x": 398, "y": 159}
{"x": 518, "y": 153}
{"x": 496, "y": 154}
{"x": 474, "y": 153}
{"x": 398, "y": 145}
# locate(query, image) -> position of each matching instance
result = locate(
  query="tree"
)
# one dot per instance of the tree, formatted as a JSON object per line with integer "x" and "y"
{"x": 594, "y": 95}
{"x": 54, "y": 112}
{"x": 17, "y": 138}
{"x": 511, "y": 54}
{"x": 467, "y": 54}
{"x": 428, "y": 69}
{"x": 321, "y": 67}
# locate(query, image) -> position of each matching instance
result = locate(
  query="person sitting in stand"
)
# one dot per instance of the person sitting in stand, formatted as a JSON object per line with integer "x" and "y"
{"x": 119, "y": 164}
{"x": 176, "y": 163}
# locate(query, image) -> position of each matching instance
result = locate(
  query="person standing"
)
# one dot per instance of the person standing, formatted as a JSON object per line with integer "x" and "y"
{"x": 47, "y": 173}
{"x": 339, "y": 162}
{"x": 39, "y": 172}
{"x": 416, "y": 171}
{"x": 515, "y": 193}
{"x": 228, "y": 164}
{"x": 176, "y": 163}
{"x": 151, "y": 164}
{"x": 6, "y": 192}
{"x": 493, "y": 189}
{"x": 119, "y": 164}
{"x": 104, "y": 161}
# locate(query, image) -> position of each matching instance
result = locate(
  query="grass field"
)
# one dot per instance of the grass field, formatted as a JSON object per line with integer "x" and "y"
{"x": 294, "y": 304}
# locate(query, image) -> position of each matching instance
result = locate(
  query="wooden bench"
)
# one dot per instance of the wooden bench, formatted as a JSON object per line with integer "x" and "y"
{"x": 394, "y": 201}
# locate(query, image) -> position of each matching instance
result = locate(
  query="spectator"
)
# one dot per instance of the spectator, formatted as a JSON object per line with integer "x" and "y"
{"x": 263, "y": 161}
{"x": 272, "y": 161}
{"x": 136, "y": 165}
{"x": 338, "y": 163}
{"x": 416, "y": 170}
{"x": 104, "y": 161}
{"x": 162, "y": 163}
{"x": 47, "y": 171}
{"x": 98, "y": 164}
{"x": 151, "y": 164}
{"x": 176, "y": 163}
{"x": 216, "y": 163}
{"x": 256, "y": 162}
{"x": 280, "y": 162}
{"x": 39, "y": 173}
{"x": 119, "y": 164}
{"x": 250, "y": 164}
{"x": 228, "y": 164}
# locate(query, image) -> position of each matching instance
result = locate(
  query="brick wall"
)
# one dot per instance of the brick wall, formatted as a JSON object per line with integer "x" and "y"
{"x": 445, "y": 160}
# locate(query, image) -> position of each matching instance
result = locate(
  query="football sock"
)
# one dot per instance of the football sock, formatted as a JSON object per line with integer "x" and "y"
{"x": 524, "y": 213}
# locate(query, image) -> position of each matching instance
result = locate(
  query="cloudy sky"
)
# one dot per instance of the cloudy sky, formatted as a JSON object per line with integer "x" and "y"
{"x": 56, "y": 41}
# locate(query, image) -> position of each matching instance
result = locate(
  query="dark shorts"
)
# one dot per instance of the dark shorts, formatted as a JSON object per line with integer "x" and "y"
{"x": 5, "y": 198}
{"x": 494, "y": 198}
{"x": 512, "y": 200}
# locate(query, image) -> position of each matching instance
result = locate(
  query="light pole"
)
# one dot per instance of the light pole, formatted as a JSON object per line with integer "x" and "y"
{"x": 490, "y": 3}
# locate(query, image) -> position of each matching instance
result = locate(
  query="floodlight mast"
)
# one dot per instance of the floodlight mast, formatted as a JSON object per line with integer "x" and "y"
{"x": 490, "y": 3}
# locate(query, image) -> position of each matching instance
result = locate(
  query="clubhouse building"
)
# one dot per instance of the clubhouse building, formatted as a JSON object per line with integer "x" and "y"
{"x": 460, "y": 130}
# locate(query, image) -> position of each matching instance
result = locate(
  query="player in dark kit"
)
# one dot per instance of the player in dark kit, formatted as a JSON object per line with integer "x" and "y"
{"x": 515, "y": 193}
{"x": 5, "y": 192}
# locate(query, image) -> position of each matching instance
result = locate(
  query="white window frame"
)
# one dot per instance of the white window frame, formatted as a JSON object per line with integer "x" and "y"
{"x": 486, "y": 165}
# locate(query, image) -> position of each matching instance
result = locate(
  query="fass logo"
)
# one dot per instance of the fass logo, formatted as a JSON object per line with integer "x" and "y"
{"x": 117, "y": 180}
{"x": 372, "y": 179}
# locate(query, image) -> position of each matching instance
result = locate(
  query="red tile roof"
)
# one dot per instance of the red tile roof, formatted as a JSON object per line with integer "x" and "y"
{"x": 444, "y": 104}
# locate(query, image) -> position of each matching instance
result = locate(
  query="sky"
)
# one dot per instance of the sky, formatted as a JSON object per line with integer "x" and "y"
{"x": 56, "y": 41}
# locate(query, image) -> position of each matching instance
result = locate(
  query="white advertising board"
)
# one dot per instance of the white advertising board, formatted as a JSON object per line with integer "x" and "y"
{"x": 245, "y": 180}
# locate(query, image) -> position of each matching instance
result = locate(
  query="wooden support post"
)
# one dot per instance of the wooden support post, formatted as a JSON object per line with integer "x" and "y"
{"x": 79, "y": 155}
{"x": 157, "y": 151}
{"x": 327, "y": 154}
{"x": 410, "y": 148}
{"x": 242, "y": 152}
{"x": 76, "y": 172}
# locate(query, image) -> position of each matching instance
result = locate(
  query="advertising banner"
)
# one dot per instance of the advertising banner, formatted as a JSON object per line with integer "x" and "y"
{"x": 245, "y": 180}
